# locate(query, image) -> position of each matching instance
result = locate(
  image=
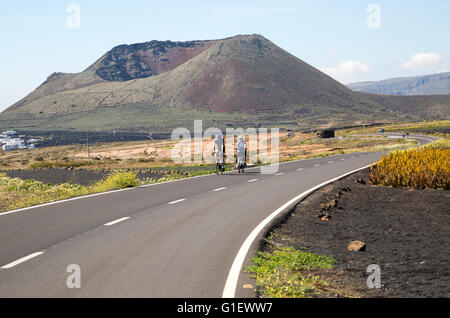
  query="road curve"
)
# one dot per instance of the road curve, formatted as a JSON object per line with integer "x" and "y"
{"x": 175, "y": 239}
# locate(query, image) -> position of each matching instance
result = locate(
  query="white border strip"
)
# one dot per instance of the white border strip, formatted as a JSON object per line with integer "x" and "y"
{"x": 176, "y": 201}
{"x": 21, "y": 260}
{"x": 233, "y": 276}
{"x": 116, "y": 221}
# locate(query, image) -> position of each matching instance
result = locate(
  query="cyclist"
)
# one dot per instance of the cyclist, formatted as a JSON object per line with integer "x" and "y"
{"x": 219, "y": 151}
{"x": 241, "y": 151}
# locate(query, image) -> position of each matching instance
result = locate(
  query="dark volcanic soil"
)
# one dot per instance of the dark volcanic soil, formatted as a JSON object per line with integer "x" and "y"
{"x": 406, "y": 231}
{"x": 58, "y": 176}
{"x": 90, "y": 176}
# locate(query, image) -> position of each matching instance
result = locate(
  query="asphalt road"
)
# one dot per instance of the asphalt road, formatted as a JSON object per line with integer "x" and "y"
{"x": 176, "y": 239}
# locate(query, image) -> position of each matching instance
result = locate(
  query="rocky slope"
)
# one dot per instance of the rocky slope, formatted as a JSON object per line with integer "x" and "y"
{"x": 243, "y": 80}
{"x": 435, "y": 84}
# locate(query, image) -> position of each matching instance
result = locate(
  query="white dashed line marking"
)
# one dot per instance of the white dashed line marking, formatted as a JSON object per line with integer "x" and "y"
{"x": 176, "y": 201}
{"x": 116, "y": 221}
{"x": 253, "y": 180}
{"x": 21, "y": 260}
{"x": 299, "y": 169}
{"x": 352, "y": 158}
{"x": 279, "y": 173}
{"x": 219, "y": 189}
{"x": 342, "y": 159}
{"x": 331, "y": 161}
{"x": 317, "y": 164}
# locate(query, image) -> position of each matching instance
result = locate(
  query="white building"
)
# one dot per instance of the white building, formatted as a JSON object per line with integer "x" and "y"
{"x": 10, "y": 132}
{"x": 13, "y": 144}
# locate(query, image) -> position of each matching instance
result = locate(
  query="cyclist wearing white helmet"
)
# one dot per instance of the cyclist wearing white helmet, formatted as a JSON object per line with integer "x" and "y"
{"x": 219, "y": 150}
{"x": 241, "y": 150}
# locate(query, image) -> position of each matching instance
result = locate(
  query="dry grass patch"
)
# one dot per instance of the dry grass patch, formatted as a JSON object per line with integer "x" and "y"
{"x": 427, "y": 167}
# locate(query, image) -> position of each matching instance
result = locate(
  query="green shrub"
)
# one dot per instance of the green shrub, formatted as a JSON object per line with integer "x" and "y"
{"x": 61, "y": 164}
{"x": 145, "y": 160}
{"x": 23, "y": 193}
{"x": 41, "y": 164}
{"x": 117, "y": 180}
{"x": 280, "y": 273}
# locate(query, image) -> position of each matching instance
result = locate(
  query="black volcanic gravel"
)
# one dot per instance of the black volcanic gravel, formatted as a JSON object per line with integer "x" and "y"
{"x": 406, "y": 231}
{"x": 89, "y": 176}
{"x": 58, "y": 176}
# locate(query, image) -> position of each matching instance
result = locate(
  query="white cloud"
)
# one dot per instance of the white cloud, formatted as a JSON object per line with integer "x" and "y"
{"x": 332, "y": 52}
{"x": 422, "y": 60}
{"x": 346, "y": 68}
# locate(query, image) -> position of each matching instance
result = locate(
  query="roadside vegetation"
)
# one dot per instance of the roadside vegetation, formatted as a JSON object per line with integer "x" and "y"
{"x": 443, "y": 143}
{"x": 426, "y": 167}
{"x": 438, "y": 128}
{"x": 16, "y": 193}
{"x": 177, "y": 174}
{"x": 285, "y": 272}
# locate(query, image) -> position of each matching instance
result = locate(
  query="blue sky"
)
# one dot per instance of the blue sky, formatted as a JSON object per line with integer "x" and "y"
{"x": 348, "y": 39}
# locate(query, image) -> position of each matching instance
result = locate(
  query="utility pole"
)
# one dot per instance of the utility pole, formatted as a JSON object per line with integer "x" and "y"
{"x": 87, "y": 138}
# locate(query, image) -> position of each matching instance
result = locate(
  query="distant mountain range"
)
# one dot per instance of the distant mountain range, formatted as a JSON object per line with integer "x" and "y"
{"x": 240, "y": 81}
{"x": 434, "y": 84}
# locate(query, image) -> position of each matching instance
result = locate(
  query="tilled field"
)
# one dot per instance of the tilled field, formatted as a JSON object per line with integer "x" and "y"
{"x": 406, "y": 232}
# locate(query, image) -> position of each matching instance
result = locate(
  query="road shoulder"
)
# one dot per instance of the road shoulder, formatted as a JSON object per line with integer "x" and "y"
{"x": 406, "y": 232}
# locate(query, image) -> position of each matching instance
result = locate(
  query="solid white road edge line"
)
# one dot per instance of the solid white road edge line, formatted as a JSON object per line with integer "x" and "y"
{"x": 176, "y": 201}
{"x": 21, "y": 260}
{"x": 233, "y": 276}
{"x": 116, "y": 221}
